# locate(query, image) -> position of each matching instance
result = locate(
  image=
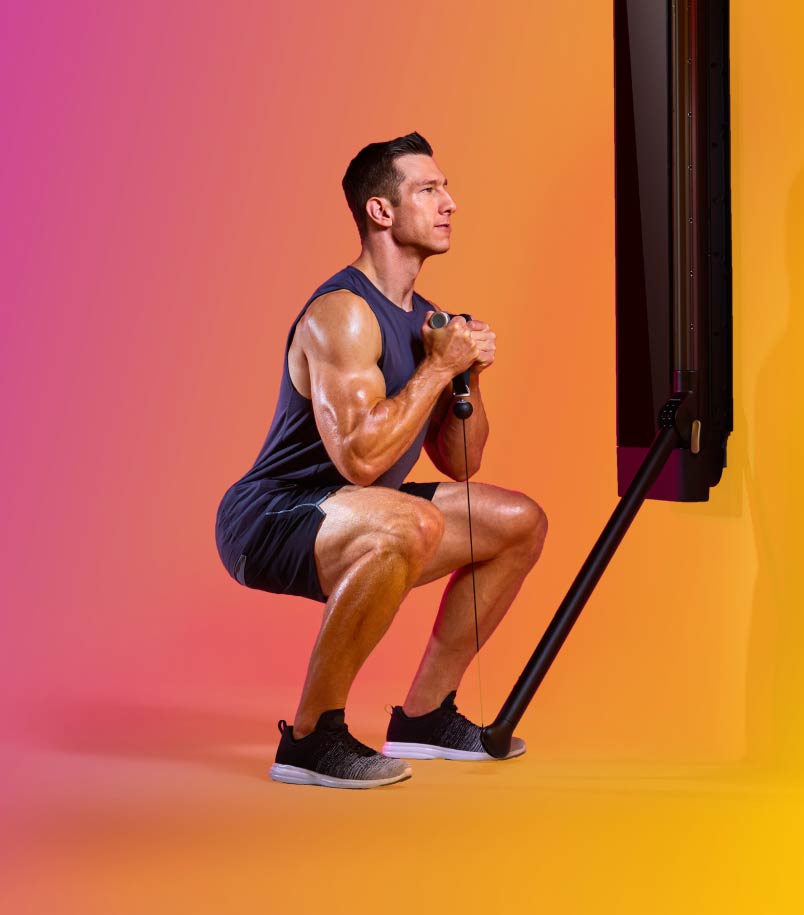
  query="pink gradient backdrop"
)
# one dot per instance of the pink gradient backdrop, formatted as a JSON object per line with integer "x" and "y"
{"x": 171, "y": 194}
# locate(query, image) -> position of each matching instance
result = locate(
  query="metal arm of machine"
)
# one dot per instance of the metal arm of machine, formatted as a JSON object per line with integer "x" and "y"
{"x": 675, "y": 426}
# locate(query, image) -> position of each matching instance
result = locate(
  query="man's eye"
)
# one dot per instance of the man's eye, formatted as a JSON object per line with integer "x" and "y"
{"x": 428, "y": 190}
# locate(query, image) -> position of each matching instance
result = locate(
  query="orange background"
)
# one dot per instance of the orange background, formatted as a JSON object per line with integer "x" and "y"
{"x": 171, "y": 188}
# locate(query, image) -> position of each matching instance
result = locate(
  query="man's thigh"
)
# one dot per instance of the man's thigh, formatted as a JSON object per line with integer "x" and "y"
{"x": 501, "y": 518}
{"x": 357, "y": 519}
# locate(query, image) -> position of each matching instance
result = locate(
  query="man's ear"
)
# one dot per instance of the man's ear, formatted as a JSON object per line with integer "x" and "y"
{"x": 380, "y": 211}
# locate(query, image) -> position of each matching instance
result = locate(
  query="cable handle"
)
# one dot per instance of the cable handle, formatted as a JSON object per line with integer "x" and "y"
{"x": 461, "y": 407}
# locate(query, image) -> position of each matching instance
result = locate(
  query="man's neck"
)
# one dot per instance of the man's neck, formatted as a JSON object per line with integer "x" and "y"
{"x": 392, "y": 272}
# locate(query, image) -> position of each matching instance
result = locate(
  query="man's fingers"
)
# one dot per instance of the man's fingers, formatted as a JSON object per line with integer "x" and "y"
{"x": 483, "y": 336}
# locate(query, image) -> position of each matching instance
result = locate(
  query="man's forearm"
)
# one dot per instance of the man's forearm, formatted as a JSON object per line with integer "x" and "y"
{"x": 449, "y": 437}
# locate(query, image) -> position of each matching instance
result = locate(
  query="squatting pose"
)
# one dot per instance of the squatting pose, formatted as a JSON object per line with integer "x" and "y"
{"x": 326, "y": 512}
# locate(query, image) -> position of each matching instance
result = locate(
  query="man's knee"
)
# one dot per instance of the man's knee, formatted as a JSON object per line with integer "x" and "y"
{"x": 525, "y": 521}
{"x": 399, "y": 531}
{"x": 415, "y": 530}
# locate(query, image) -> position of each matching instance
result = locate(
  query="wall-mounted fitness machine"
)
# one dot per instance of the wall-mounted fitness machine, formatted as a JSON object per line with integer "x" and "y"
{"x": 673, "y": 285}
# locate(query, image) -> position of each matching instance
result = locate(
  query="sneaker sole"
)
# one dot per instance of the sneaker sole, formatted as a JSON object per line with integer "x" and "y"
{"x": 293, "y": 775}
{"x": 400, "y": 750}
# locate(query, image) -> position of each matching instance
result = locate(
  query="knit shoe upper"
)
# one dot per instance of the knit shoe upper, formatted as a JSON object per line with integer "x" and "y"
{"x": 331, "y": 757}
{"x": 443, "y": 733}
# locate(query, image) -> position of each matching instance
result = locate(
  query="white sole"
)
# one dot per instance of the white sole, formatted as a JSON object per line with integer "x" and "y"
{"x": 399, "y": 750}
{"x": 293, "y": 775}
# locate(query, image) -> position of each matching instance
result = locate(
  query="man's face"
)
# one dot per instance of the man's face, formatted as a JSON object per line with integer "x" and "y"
{"x": 422, "y": 218}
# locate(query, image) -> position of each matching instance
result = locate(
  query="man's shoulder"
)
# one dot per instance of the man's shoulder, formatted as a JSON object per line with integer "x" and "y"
{"x": 339, "y": 319}
{"x": 338, "y": 306}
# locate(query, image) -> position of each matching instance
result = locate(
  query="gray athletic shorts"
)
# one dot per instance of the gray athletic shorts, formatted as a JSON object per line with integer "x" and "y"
{"x": 266, "y": 535}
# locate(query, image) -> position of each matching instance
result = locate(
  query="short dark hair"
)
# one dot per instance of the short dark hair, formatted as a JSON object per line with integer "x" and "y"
{"x": 372, "y": 174}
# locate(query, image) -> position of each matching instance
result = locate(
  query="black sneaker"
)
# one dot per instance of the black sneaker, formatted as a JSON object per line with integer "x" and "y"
{"x": 331, "y": 757}
{"x": 443, "y": 733}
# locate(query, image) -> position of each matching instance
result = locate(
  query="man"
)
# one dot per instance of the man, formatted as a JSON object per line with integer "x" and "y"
{"x": 325, "y": 511}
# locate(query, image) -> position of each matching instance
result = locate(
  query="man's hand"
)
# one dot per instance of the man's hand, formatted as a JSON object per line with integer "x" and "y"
{"x": 486, "y": 341}
{"x": 459, "y": 346}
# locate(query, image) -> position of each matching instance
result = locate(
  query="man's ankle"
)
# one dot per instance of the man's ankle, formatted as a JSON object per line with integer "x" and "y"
{"x": 306, "y": 722}
{"x": 417, "y": 709}
{"x": 303, "y": 729}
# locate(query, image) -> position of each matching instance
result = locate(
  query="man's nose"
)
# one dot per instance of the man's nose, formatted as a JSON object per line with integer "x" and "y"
{"x": 448, "y": 205}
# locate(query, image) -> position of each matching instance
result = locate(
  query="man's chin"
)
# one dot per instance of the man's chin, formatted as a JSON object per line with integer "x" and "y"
{"x": 440, "y": 248}
{"x": 425, "y": 251}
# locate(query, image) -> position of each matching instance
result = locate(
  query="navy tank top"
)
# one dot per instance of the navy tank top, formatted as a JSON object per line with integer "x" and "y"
{"x": 293, "y": 451}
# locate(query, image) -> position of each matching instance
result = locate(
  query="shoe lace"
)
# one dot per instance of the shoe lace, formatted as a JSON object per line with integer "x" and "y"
{"x": 350, "y": 741}
{"x": 452, "y": 708}
{"x": 458, "y": 714}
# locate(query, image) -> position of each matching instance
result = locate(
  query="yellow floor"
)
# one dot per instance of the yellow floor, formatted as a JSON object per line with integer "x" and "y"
{"x": 184, "y": 819}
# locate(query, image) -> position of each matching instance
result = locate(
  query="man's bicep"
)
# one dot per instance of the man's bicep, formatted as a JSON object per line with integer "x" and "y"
{"x": 342, "y": 397}
{"x": 342, "y": 344}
